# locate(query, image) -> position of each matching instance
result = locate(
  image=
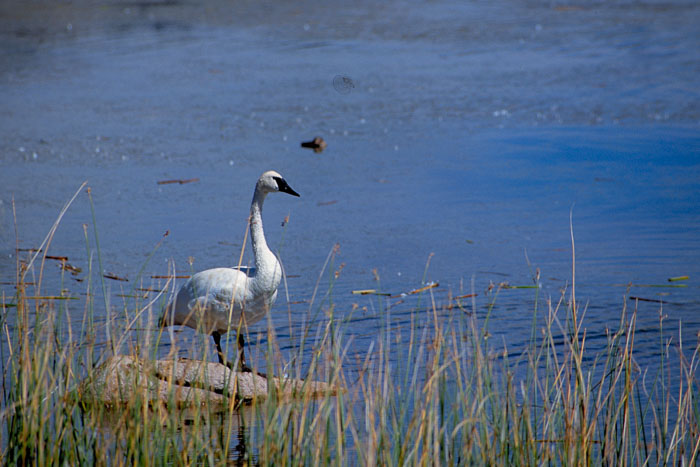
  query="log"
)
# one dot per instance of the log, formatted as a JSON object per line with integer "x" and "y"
{"x": 186, "y": 383}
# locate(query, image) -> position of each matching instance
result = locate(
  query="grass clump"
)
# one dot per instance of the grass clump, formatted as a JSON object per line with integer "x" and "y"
{"x": 431, "y": 388}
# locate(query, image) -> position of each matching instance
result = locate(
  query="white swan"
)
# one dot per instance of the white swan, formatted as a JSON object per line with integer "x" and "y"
{"x": 222, "y": 299}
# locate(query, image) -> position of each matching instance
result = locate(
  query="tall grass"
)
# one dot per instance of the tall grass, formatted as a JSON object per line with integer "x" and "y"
{"x": 433, "y": 390}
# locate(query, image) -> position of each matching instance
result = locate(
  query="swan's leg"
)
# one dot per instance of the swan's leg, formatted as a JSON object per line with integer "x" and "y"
{"x": 241, "y": 346}
{"x": 243, "y": 366}
{"x": 217, "y": 340}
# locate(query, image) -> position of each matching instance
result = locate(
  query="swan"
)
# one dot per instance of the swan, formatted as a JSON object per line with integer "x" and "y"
{"x": 217, "y": 300}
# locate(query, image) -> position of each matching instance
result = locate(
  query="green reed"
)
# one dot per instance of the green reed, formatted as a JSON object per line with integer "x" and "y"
{"x": 433, "y": 390}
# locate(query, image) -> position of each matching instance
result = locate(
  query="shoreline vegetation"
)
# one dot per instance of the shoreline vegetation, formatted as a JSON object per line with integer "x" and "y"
{"x": 451, "y": 398}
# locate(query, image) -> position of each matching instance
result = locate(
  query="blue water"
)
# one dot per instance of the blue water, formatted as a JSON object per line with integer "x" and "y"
{"x": 473, "y": 132}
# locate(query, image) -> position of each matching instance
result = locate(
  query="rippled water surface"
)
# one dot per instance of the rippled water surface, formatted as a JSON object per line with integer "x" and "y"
{"x": 470, "y": 134}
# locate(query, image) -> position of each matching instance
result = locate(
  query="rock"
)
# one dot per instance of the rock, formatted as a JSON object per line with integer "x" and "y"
{"x": 187, "y": 382}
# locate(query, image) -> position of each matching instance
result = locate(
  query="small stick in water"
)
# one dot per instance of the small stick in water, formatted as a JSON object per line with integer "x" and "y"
{"x": 179, "y": 180}
{"x": 114, "y": 277}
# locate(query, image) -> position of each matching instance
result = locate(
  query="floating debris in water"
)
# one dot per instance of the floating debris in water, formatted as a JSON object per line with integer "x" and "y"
{"x": 114, "y": 277}
{"x": 653, "y": 300}
{"x": 343, "y": 84}
{"x": 651, "y": 285}
{"x": 180, "y": 181}
{"x": 317, "y": 144}
{"x": 369, "y": 292}
{"x": 469, "y": 295}
{"x": 57, "y": 258}
{"x": 429, "y": 285}
{"x": 679, "y": 278}
{"x": 70, "y": 268}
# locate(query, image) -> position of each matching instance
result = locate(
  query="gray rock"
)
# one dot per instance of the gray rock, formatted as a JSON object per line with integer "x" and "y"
{"x": 187, "y": 383}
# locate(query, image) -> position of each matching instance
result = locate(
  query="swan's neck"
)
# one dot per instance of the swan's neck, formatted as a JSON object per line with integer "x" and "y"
{"x": 265, "y": 260}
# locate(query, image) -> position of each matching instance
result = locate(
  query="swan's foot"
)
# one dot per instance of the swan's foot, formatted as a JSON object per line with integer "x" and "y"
{"x": 243, "y": 369}
{"x": 240, "y": 368}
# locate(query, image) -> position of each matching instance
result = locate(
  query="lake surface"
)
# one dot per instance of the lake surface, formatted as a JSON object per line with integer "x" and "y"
{"x": 465, "y": 135}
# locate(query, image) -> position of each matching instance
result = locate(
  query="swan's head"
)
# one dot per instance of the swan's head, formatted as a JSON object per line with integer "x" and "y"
{"x": 271, "y": 182}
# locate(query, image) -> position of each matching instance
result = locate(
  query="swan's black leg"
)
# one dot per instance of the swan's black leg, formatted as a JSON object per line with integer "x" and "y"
{"x": 217, "y": 340}
{"x": 242, "y": 367}
{"x": 241, "y": 346}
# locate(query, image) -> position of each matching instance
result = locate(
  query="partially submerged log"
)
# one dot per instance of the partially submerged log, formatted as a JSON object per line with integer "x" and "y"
{"x": 184, "y": 382}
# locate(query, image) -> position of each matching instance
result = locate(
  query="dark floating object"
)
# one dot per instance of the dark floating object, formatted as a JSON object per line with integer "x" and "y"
{"x": 70, "y": 268}
{"x": 57, "y": 258}
{"x": 653, "y": 300}
{"x": 114, "y": 277}
{"x": 343, "y": 84}
{"x": 317, "y": 144}
{"x": 180, "y": 181}
{"x": 469, "y": 295}
{"x": 369, "y": 292}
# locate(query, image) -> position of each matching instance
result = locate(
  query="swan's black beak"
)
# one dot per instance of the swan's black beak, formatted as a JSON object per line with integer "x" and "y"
{"x": 284, "y": 187}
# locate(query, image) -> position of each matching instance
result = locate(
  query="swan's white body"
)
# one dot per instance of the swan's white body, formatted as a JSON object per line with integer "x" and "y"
{"x": 218, "y": 300}
{"x": 209, "y": 298}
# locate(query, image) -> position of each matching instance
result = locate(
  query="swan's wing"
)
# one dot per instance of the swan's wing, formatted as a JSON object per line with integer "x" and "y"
{"x": 211, "y": 297}
{"x": 215, "y": 288}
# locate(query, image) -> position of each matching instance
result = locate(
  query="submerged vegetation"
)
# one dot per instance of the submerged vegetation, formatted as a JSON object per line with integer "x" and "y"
{"x": 432, "y": 390}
